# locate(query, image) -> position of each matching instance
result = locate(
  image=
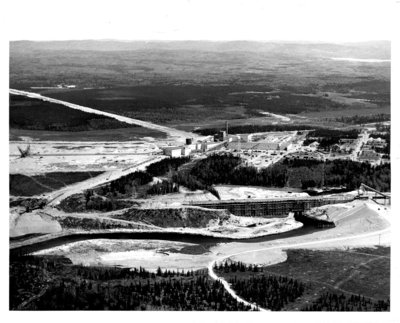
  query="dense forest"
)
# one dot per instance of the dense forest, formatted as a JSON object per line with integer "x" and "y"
{"x": 24, "y": 185}
{"x": 328, "y": 137}
{"x": 54, "y": 283}
{"x": 334, "y": 302}
{"x": 163, "y": 187}
{"x": 50, "y": 116}
{"x": 267, "y": 291}
{"x": 363, "y": 119}
{"x": 111, "y": 196}
{"x": 292, "y": 173}
{"x": 163, "y": 166}
{"x": 275, "y": 292}
{"x": 125, "y": 185}
{"x": 128, "y": 185}
{"x": 63, "y": 286}
{"x": 251, "y": 128}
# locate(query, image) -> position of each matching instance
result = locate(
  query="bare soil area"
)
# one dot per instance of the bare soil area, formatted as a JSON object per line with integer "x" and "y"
{"x": 59, "y": 156}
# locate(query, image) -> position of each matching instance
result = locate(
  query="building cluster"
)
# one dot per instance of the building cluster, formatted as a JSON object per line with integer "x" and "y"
{"x": 306, "y": 155}
{"x": 374, "y": 144}
{"x": 190, "y": 147}
{"x": 369, "y": 154}
{"x": 344, "y": 147}
{"x": 66, "y": 86}
{"x": 261, "y": 142}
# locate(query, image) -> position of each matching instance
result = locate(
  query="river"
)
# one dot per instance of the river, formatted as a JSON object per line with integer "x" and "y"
{"x": 198, "y": 239}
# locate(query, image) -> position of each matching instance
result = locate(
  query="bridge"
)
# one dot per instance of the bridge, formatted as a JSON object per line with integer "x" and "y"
{"x": 269, "y": 208}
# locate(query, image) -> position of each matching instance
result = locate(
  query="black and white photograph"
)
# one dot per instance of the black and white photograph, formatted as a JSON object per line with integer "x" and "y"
{"x": 187, "y": 155}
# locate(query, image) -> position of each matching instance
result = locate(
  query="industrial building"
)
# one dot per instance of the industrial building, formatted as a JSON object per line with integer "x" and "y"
{"x": 173, "y": 151}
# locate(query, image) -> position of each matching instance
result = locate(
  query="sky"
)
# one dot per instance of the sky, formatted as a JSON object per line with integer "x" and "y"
{"x": 291, "y": 20}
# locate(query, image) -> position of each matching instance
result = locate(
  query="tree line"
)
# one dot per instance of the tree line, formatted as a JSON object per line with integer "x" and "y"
{"x": 362, "y": 119}
{"x": 70, "y": 287}
{"x": 109, "y": 196}
{"x": 50, "y": 116}
{"x": 267, "y": 291}
{"x": 328, "y": 137}
{"x": 197, "y": 293}
{"x": 251, "y": 128}
{"x": 333, "y": 302}
{"x": 227, "y": 169}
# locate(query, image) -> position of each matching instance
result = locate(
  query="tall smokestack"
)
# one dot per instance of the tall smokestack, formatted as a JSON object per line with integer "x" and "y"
{"x": 226, "y": 127}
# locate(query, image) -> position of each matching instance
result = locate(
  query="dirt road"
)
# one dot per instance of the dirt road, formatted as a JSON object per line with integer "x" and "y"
{"x": 57, "y": 196}
{"x": 325, "y": 243}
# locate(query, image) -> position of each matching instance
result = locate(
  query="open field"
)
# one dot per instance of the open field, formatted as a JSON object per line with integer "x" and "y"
{"x": 149, "y": 254}
{"x": 351, "y": 272}
{"x": 62, "y": 156}
{"x": 364, "y": 271}
{"x": 120, "y": 134}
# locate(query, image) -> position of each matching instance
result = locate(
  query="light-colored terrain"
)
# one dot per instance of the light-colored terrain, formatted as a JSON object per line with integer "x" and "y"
{"x": 365, "y": 225}
{"x": 132, "y": 253}
{"x": 59, "y": 156}
{"x": 232, "y": 192}
{"x": 221, "y": 224}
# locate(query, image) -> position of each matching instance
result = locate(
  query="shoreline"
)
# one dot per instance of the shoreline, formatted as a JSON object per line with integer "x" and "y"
{"x": 55, "y": 239}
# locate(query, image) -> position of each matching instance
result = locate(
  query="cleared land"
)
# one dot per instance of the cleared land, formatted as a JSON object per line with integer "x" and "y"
{"x": 149, "y": 254}
{"x": 364, "y": 271}
{"x": 353, "y": 273}
{"x": 120, "y": 134}
{"x": 66, "y": 156}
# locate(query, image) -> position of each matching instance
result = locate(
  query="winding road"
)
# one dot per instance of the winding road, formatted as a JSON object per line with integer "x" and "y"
{"x": 254, "y": 306}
